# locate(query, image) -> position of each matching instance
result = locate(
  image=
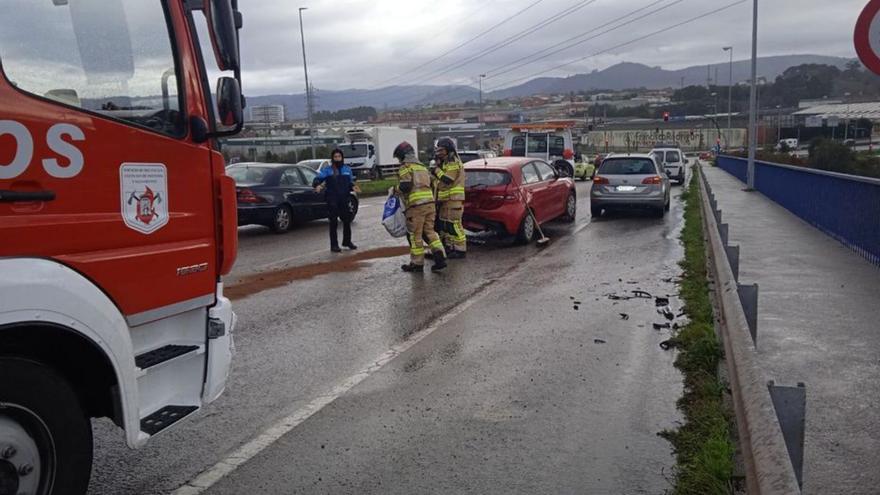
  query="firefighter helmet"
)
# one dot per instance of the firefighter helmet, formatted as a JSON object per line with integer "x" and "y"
{"x": 446, "y": 143}
{"x": 402, "y": 150}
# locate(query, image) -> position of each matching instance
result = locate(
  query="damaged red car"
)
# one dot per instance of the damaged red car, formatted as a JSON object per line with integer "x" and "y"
{"x": 498, "y": 192}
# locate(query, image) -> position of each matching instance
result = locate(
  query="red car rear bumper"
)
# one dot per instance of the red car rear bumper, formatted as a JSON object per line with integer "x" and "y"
{"x": 503, "y": 221}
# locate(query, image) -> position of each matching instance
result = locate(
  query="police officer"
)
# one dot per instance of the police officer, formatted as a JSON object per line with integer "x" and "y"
{"x": 414, "y": 188}
{"x": 450, "y": 198}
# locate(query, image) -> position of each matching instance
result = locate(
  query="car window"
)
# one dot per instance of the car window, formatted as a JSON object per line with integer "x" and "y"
{"x": 628, "y": 166}
{"x": 476, "y": 178}
{"x": 113, "y": 58}
{"x": 248, "y": 175}
{"x": 466, "y": 157}
{"x": 673, "y": 157}
{"x": 291, "y": 177}
{"x": 308, "y": 174}
{"x": 658, "y": 155}
{"x": 519, "y": 146}
{"x": 546, "y": 171}
{"x": 538, "y": 143}
{"x": 557, "y": 145}
{"x": 530, "y": 174}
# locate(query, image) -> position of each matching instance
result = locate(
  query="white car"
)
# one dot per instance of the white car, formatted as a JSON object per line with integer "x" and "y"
{"x": 315, "y": 165}
{"x": 674, "y": 160}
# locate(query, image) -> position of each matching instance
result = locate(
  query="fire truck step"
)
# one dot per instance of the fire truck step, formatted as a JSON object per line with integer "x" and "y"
{"x": 162, "y": 354}
{"x": 165, "y": 417}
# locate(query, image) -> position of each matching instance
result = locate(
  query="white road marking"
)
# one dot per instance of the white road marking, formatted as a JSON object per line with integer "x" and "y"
{"x": 248, "y": 451}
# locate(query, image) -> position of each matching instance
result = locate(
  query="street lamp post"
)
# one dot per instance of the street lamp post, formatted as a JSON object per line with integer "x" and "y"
{"x": 481, "y": 110}
{"x": 308, "y": 88}
{"x": 753, "y": 101}
{"x": 729, "y": 94}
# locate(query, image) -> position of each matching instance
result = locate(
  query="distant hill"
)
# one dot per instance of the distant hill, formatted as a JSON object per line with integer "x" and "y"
{"x": 618, "y": 77}
{"x": 629, "y": 75}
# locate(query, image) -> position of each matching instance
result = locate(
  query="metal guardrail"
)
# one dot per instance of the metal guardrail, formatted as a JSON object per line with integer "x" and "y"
{"x": 846, "y": 207}
{"x": 766, "y": 415}
{"x": 386, "y": 171}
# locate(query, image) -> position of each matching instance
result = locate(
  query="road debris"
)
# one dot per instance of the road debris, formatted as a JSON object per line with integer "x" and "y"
{"x": 661, "y": 301}
{"x": 642, "y": 294}
{"x": 667, "y": 313}
{"x": 599, "y": 341}
{"x": 624, "y": 316}
{"x": 661, "y": 326}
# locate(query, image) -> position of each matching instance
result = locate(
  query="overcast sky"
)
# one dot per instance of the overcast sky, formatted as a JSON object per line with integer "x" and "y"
{"x": 369, "y": 43}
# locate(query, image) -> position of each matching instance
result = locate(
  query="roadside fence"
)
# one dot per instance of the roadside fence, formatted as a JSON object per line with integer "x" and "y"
{"x": 845, "y": 207}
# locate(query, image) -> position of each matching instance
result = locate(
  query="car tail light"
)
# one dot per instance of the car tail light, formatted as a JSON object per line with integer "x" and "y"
{"x": 600, "y": 180}
{"x": 508, "y": 152}
{"x": 248, "y": 196}
{"x": 568, "y": 154}
{"x": 653, "y": 180}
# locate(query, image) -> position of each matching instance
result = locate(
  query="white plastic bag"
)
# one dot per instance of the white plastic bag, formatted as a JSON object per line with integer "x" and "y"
{"x": 393, "y": 217}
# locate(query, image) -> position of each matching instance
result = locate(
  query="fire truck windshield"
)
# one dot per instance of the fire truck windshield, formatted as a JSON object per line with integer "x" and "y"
{"x": 104, "y": 56}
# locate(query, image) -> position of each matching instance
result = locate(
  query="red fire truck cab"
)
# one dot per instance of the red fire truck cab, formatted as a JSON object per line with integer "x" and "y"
{"x": 116, "y": 223}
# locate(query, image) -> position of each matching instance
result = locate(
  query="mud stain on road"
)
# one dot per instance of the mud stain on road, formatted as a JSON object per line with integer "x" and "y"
{"x": 258, "y": 282}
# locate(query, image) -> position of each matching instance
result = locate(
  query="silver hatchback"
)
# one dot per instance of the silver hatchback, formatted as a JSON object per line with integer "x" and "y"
{"x": 630, "y": 182}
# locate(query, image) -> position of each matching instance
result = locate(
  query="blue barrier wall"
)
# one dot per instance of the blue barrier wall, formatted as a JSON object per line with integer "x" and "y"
{"x": 843, "y": 206}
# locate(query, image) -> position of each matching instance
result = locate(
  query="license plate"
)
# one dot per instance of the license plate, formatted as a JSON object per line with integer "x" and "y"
{"x": 626, "y": 188}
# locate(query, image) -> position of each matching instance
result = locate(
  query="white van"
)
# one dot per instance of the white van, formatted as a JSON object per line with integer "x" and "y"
{"x": 549, "y": 141}
{"x": 674, "y": 160}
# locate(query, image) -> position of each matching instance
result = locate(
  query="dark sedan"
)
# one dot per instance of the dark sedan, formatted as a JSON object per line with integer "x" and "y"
{"x": 279, "y": 195}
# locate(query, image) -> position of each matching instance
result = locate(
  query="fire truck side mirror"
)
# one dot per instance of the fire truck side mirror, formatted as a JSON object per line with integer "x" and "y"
{"x": 230, "y": 112}
{"x": 224, "y": 20}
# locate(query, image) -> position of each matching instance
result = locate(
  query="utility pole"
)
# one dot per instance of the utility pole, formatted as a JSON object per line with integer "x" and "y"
{"x": 308, "y": 88}
{"x": 753, "y": 101}
{"x": 778, "y": 123}
{"x": 709, "y": 77}
{"x": 481, "y": 110}
{"x": 729, "y": 94}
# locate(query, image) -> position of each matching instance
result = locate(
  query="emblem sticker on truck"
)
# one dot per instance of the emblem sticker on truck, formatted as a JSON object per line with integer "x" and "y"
{"x": 144, "y": 190}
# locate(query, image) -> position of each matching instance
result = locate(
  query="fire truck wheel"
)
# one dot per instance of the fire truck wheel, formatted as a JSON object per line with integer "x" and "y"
{"x": 45, "y": 435}
{"x": 282, "y": 220}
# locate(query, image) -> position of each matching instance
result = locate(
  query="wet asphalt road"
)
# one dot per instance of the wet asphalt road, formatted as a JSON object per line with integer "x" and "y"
{"x": 519, "y": 392}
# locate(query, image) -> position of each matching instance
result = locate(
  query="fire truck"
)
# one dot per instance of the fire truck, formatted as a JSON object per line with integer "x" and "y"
{"x": 117, "y": 222}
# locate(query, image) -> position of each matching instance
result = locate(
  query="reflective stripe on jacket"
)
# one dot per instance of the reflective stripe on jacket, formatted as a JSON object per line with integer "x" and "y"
{"x": 453, "y": 188}
{"x": 417, "y": 175}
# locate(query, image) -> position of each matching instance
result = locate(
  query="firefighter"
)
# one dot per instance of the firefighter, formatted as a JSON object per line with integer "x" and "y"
{"x": 414, "y": 188}
{"x": 450, "y": 198}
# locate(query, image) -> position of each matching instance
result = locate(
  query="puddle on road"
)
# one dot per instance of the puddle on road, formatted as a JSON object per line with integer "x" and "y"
{"x": 258, "y": 282}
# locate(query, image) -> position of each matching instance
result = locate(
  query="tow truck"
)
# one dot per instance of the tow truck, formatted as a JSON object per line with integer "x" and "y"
{"x": 117, "y": 221}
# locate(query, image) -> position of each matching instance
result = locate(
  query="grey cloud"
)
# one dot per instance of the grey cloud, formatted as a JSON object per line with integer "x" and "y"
{"x": 356, "y": 44}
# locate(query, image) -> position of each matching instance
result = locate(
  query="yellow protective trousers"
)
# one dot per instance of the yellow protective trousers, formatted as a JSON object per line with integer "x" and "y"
{"x": 420, "y": 221}
{"x": 452, "y": 232}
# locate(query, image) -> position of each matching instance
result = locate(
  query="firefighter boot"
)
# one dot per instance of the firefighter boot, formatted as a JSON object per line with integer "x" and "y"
{"x": 413, "y": 268}
{"x": 439, "y": 262}
{"x": 456, "y": 255}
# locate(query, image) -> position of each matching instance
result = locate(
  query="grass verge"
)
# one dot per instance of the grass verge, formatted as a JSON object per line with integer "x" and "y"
{"x": 376, "y": 187}
{"x": 703, "y": 447}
